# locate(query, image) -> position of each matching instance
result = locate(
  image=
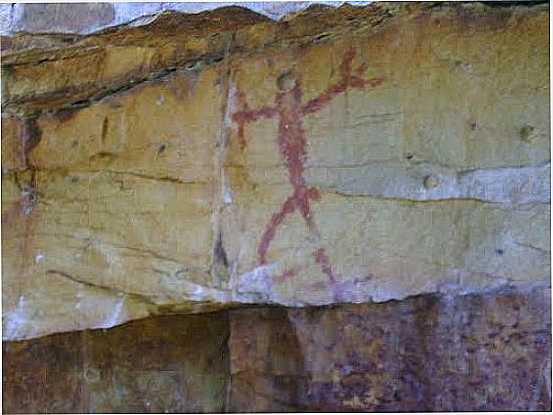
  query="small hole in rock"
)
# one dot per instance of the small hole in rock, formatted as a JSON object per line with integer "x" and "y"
{"x": 526, "y": 133}
{"x": 431, "y": 182}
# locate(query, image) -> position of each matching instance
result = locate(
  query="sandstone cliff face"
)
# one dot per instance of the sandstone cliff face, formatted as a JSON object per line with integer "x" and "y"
{"x": 356, "y": 200}
{"x": 343, "y": 155}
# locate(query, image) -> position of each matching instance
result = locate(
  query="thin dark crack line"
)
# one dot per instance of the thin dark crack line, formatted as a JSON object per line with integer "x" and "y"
{"x": 111, "y": 290}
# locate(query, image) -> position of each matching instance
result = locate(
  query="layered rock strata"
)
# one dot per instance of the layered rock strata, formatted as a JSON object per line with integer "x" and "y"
{"x": 198, "y": 162}
{"x": 426, "y": 353}
{"x": 269, "y": 175}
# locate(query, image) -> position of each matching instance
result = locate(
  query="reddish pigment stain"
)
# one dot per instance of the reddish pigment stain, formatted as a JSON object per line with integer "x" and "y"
{"x": 286, "y": 275}
{"x": 322, "y": 259}
{"x": 290, "y": 110}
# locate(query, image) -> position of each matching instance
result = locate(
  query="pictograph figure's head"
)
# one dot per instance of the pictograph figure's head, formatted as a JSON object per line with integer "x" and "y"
{"x": 287, "y": 81}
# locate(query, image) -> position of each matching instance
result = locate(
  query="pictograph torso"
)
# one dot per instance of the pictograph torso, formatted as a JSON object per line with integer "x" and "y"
{"x": 289, "y": 109}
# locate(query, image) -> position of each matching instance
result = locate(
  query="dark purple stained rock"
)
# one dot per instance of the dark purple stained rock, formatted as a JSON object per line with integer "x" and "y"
{"x": 468, "y": 353}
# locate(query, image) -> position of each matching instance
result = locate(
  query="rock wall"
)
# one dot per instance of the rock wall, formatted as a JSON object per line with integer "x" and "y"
{"x": 426, "y": 353}
{"x": 151, "y": 365}
{"x": 87, "y": 18}
{"x": 196, "y": 163}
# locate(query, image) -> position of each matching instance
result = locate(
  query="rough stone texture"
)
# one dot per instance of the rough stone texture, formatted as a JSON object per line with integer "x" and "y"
{"x": 199, "y": 161}
{"x": 190, "y": 163}
{"x": 21, "y": 17}
{"x": 77, "y": 18}
{"x": 427, "y": 353}
{"x": 341, "y": 155}
{"x": 464, "y": 353}
{"x": 151, "y": 365}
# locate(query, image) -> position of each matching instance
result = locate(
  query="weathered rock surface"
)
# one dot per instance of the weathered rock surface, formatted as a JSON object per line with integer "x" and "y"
{"x": 151, "y": 366}
{"x": 463, "y": 353}
{"x": 87, "y": 18}
{"x": 343, "y": 155}
{"x": 428, "y": 353}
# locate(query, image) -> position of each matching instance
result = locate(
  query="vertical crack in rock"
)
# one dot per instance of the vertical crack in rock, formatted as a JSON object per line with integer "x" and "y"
{"x": 223, "y": 195}
{"x": 31, "y": 136}
{"x": 219, "y": 251}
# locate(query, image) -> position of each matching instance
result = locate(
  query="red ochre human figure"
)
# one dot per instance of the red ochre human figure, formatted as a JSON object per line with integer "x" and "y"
{"x": 292, "y": 142}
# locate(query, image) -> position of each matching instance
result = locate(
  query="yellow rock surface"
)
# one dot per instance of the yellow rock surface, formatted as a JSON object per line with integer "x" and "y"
{"x": 301, "y": 162}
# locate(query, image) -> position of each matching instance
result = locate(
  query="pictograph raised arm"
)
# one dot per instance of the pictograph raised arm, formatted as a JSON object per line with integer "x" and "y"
{"x": 347, "y": 81}
{"x": 246, "y": 115}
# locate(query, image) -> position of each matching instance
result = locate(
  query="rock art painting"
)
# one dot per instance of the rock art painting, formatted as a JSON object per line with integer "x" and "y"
{"x": 346, "y": 209}
{"x": 289, "y": 109}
